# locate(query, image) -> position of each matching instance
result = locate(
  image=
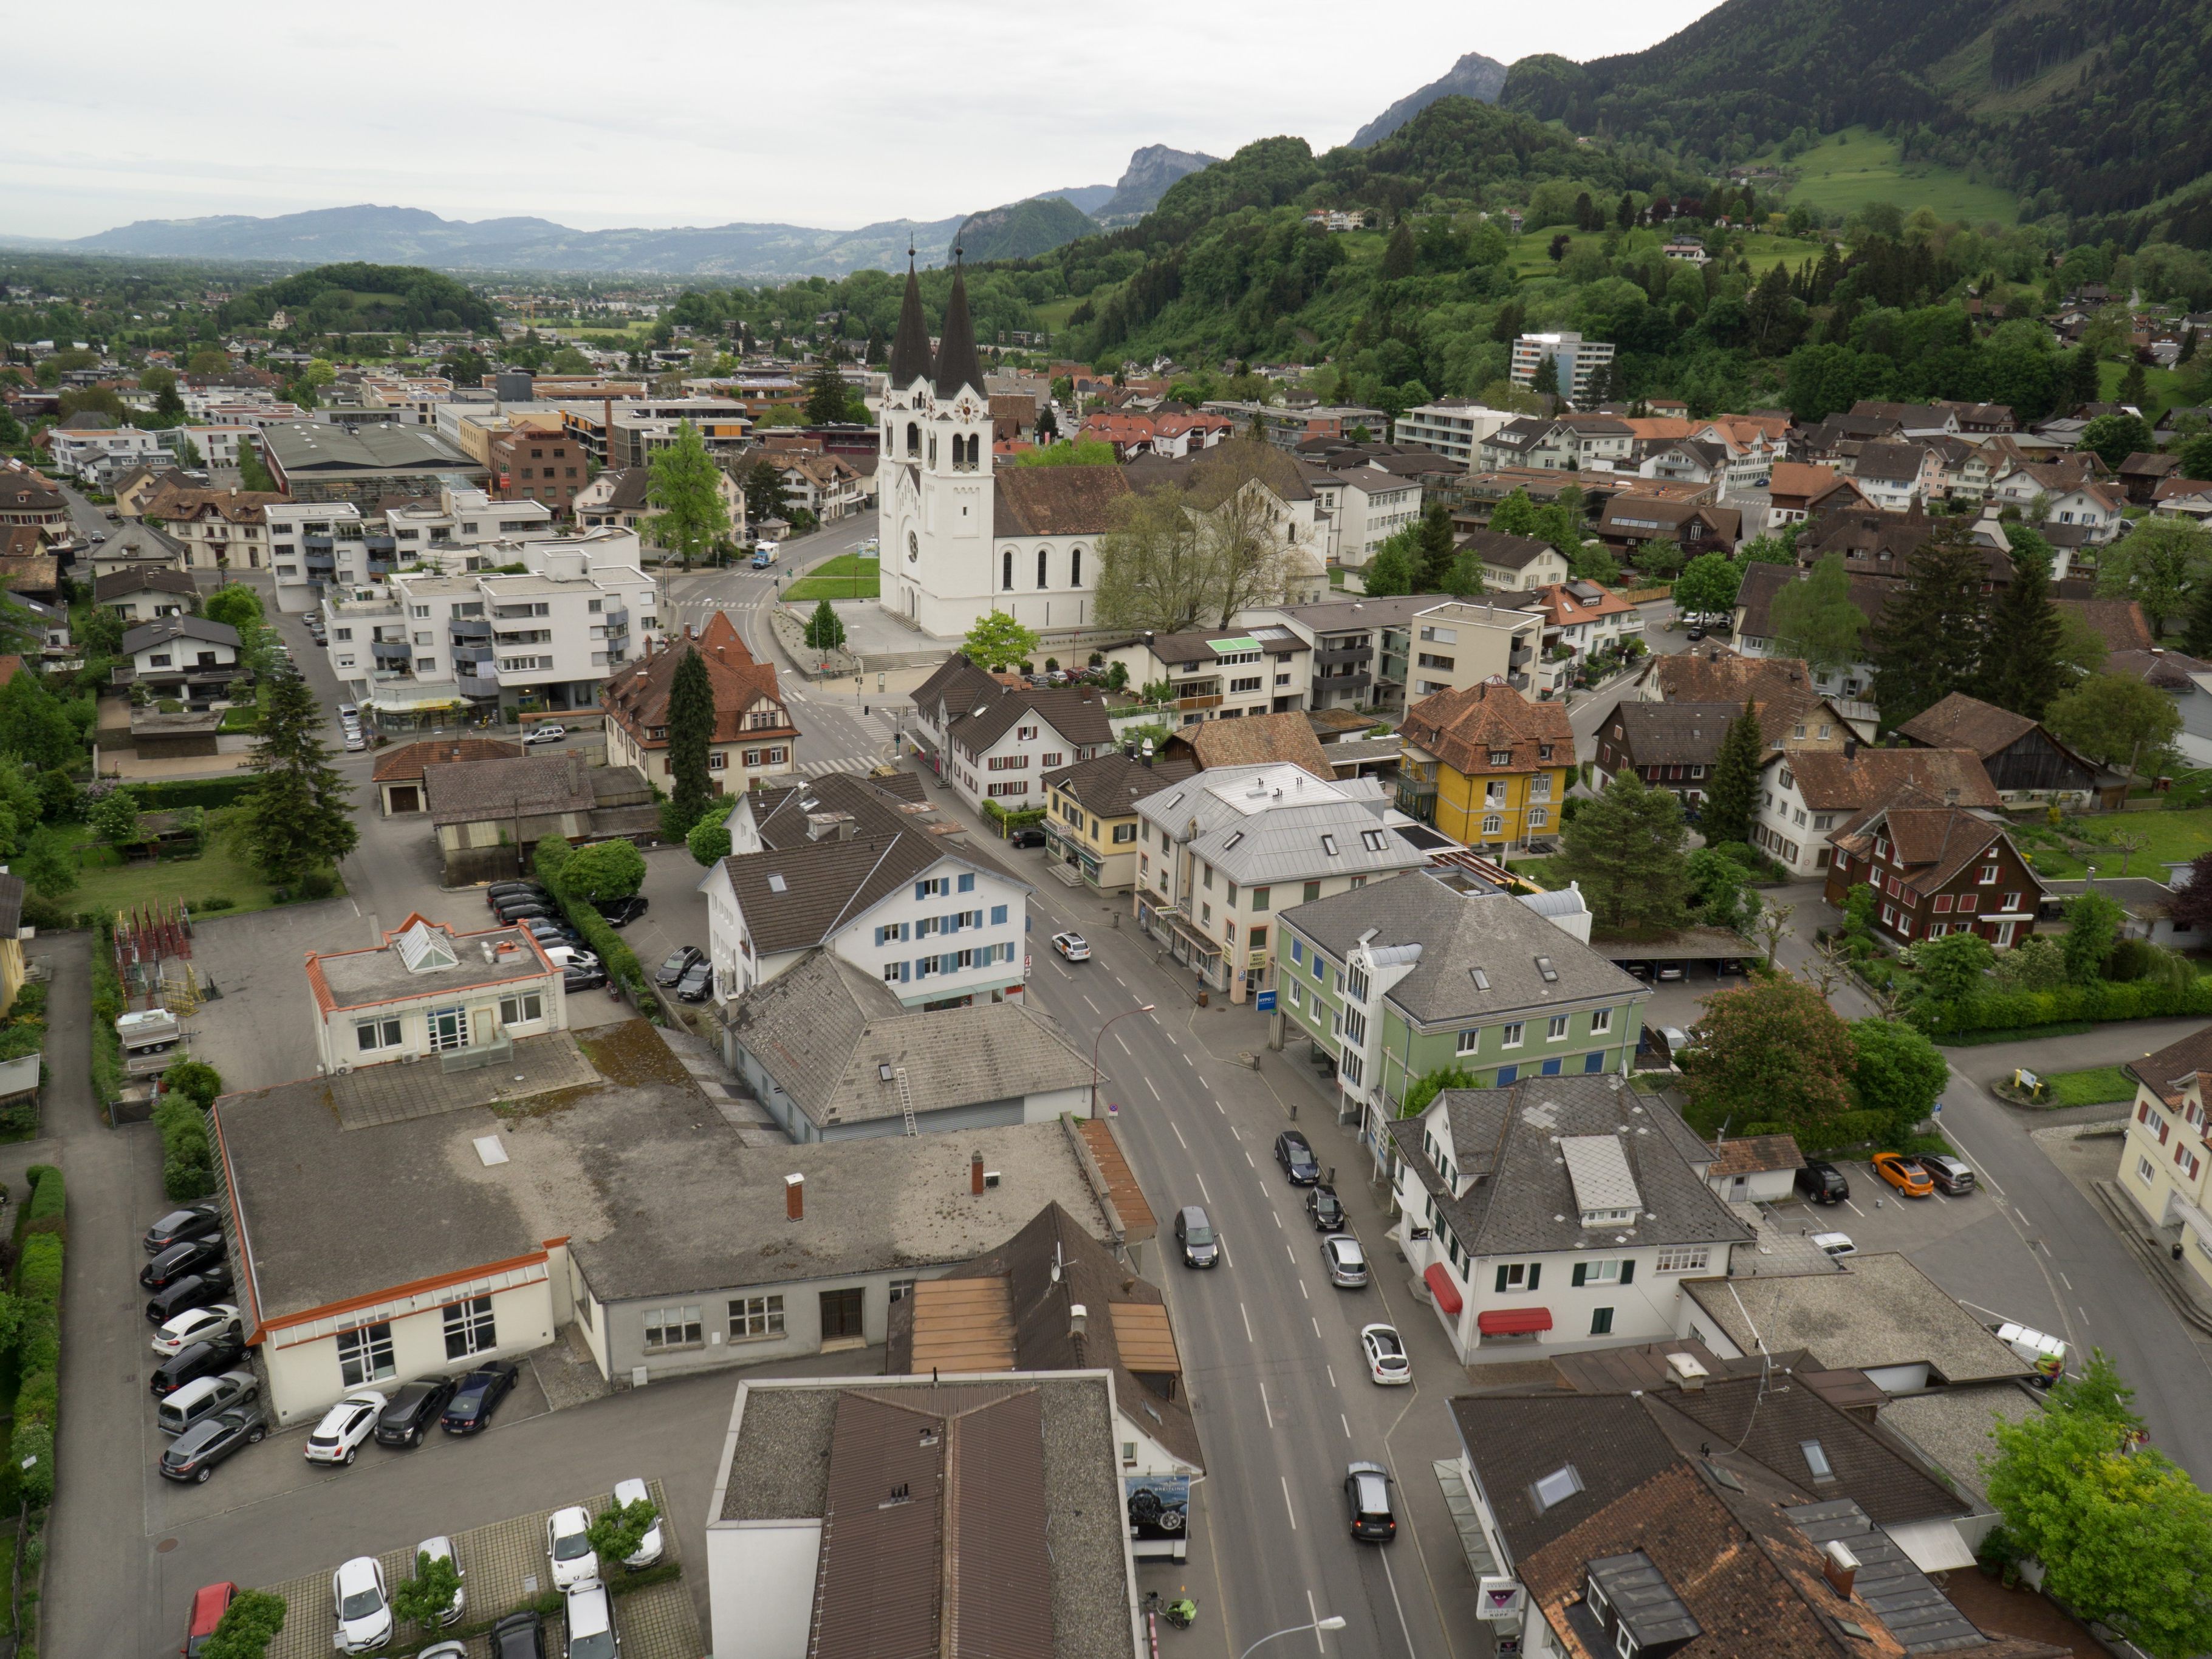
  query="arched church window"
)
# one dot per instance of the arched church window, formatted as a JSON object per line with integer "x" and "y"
{"x": 913, "y": 439}
{"x": 1075, "y": 568}
{"x": 1006, "y": 571}
{"x": 912, "y": 547}
{"x": 1041, "y": 571}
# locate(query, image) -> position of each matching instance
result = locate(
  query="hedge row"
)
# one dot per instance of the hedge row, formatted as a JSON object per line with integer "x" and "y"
{"x": 187, "y": 1159}
{"x": 548, "y": 860}
{"x": 2005, "y": 1010}
{"x": 107, "y": 1006}
{"x": 38, "y": 1357}
{"x": 188, "y": 791}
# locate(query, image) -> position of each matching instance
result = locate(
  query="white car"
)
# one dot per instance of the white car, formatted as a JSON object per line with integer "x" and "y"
{"x": 1835, "y": 1244}
{"x": 1387, "y": 1359}
{"x": 569, "y": 955}
{"x": 1073, "y": 946}
{"x": 544, "y": 734}
{"x": 569, "y": 1548}
{"x": 355, "y": 743}
{"x": 364, "y": 1610}
{"x": 591, "y": 1621}
{"x": 344, "y": 1426}
{"x": 349, "y": 712}
{"x": 199, "y": 1325}
{"x": 649, "y": 1550}
{"x": 441, "y": 1549}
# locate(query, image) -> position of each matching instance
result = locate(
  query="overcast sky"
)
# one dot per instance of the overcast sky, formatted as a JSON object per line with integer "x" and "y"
{"x": 835, "y": 113}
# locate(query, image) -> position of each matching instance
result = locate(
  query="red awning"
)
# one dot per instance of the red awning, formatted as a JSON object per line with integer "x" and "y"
{"x": 1513, "y": 1322}
{"x": 1447, "y": 1293}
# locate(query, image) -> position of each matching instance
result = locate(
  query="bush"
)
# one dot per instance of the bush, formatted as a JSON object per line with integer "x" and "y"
{"x": 33, "y": 1444}
{"x": 187, "y": 1164}
{"x": 195, "y": 1080}
{"x": 48, "y": 1197}
{"x": 2097, "y": 1002}
{"x": 619, "y": 960}
{"x": 47, "y": 916}
{"x": 218, "y": 902}
{"x": 106, "y": 1008}
{"x": 39, "y": 1271}
{"x": 709, "y": 842}
{"x": 249, "y": 1625}
{"x": 205, "y": 792}
{"x": 36, "y": 1399}
{"x": 319, "y": 883}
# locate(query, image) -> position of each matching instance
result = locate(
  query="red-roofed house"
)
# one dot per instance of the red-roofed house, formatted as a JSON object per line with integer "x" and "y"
{"x": 754, "y": 737}
{"x": 1935, "y": 869}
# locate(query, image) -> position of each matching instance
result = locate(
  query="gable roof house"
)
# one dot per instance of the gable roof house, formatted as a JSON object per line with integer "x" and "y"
{"x": 1090, "y": 815}
{"x": 1808, "y": 795}
{"x": 990, "y": 740}
{"x": 143, "y": 595}
{"x": 1675, "y": 745}
{"x": 183, "y": 657}
{"x": 1486, "y": 765}
{"x": 754, "y": 736}
{"x": 1896, "y": 476}
{"x": 1795, "y": 491}
{"x": 1752, "y": 633}
{"x": 397, "y": 778}
{"x": 1256, "y": 740}
{"x": 1935, "y": 870}
{"x": 1516, "y": 563}
{"x": 2028, "y": 766}
{"x": 1632, "y": 522}
{"x": 488, "y": 814}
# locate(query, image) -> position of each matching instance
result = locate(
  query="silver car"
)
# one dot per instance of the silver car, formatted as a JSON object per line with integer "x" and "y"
{"x": 1345, "y": 1262}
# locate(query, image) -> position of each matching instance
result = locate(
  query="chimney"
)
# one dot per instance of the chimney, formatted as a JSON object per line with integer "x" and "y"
{"x": 975, "y": 1176}
{"x": 794, "y": 1198}
{"x": 1840, "y": 1566}
{"x": 1850, "y": 748}
{"x": 1077, "y": 1317}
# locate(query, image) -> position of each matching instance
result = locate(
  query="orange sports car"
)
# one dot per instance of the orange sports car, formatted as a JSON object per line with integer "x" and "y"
{"x": 1902, "y": 1173}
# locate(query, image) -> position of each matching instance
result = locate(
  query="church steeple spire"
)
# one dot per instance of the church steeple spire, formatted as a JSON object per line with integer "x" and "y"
{"x": 957, "y": 364}
{"x": 910, "y": 345}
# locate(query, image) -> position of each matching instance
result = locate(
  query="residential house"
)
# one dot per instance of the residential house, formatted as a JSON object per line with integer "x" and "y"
{"x": 91, "y": 448}
{"x": 2147, "y": 905}
{"x": 431, "y": 989}
{"x": 1413, "y": 975}
{"x": 1571, "y": 443}
{"x": 135, "y": 487}
{"x": 1582, "y": 620}
{"x": 992, "y": 741}
{"x": 1455, "y": 427}
{"x": 221, "y": 529}
{"x": 2165, "y": 1162}
{"x": 1222, "y": 673}
{"x": 1576, "y": 362}
{"x": 141, "y": 547}
{"x": 1455, "y": 644}
{"x": 1806, "y": 795}
{"x": 1676, "y": 745}
{"x": 869, "y": 870}
{"x": 2120, "y": 623}
{"x": 1365, "y": 505}
{"x": 1898, "y": 476}
{"x": 753, "y": 736}
{"x": 317, "y": 543}
{"x": 183, "y": 659}
{"x": 1752, "y": 630}
{"x": 2070, "y": 495}
{"x": 143, "y": 595}
{"x": 1486, "y": 765}
{"x": 398, "y": 777}
{"x": 2187, "y": 499}
{"x": 2187, "y": 681}
{"x": 1256, "y": 740}
{"x": 1651, "y": 527}
{"x": 1563, "y": 1213}
{"x": 490, "y": 815}
{"x": 1361, "y": 647}
{"x": 828, "y": 486}
{"x": 621, "y": 498}
{"x": 1516, "y": 563}
{"x": 2029, "y": 767}
{"x": 2142, "y": 473}
{"x": 833, "y": 1054}
{"x": 1215, "y": 852}
{"x": 28, "y": 498}
{"x": 27, "y": 574}
{"x": 1935, "y": 870}
{"x": 1091, "y": 811}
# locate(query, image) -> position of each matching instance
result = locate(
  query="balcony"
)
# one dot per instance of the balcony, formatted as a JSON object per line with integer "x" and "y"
{"x": 1188, "y": 704}
{"x": 318, "y": 545}
{"x": 1341, "y": 651}
{"x": 1520, "y": 656}
{"x": 392, "y": 651}
{"x": 476, "y": 679}
{"x": 1358, "y": 682}
{"x": 468, "y": 628}
{"x": 375, "y": 544}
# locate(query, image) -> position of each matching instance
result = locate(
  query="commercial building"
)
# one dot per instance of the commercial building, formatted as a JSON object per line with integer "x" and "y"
{"x": 430, "y": 990}
{"x": 1090, "y": 813}
{"x": 1575, "y": 360}
{"x": 313, "y": 462}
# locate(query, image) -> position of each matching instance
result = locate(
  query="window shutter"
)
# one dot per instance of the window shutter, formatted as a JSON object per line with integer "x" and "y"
{"x": 1536, "y": 1274}
{"x": 1628, "y": 1272}
{"x": 1580, "y": 1268}
{"x": 1501, "y": 1278}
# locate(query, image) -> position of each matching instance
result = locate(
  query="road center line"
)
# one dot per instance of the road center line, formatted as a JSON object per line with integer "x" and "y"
{"x": 1346, "y": 1421}
{"x": 1247, "y": 1158}
{"x": 1278, "y": 1227}
{"x": 1316, "y": 1612}
{"x": 1125, "y": 1046}
{"x": 1306, "y": 1293}
{"x": 1331, "y": 1369}
{"x": 1293, "y": 1514}
{"x": 1316, "y": 1323}
{"x": 1247, "y": 1321}
{"x": 1180, "y": 1141}
{"x": 1148, "y": 1084}
{"x": 1202, "y": 1193}
{"x": 1265, "y": 1406}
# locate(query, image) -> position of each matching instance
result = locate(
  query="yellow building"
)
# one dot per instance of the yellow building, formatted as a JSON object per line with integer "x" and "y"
{"x": 2165, "y": 1166}
{"x": 1486, "y": 766}
{"x": 11, "y": 944}
{"x": 1090, "y": 813}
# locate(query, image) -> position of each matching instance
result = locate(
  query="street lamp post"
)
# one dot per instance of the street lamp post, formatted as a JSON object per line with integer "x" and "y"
{"x": 1100, "y": 1038}
{"x": 1334, "y": 1621}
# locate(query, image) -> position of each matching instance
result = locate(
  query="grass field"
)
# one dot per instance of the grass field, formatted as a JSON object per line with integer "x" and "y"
{"x": 2168, "y": 837}
{"x": 1841, "y": 177}
{"x": 1532, "y": 251}
{"x": 107, "y": 886}
{"x": 847, "y": 576}
{"x": 1053, "y": 317}
{"x": 2163, "y": 385}
{"x": 2094, "y": 1087}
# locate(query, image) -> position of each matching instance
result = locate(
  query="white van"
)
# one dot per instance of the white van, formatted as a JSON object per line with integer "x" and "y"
{"x": 203, "y": 1397}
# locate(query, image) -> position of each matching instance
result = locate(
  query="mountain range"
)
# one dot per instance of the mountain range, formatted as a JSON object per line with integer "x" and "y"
{"x": 1473, "y": 76}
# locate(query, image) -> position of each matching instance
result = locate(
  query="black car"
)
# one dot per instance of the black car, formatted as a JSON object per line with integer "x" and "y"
{"x": 548, "y": 931}
{"x": 200, "y": 1359}
{"x": 583, "y": 979}
{"x": 181, "y": 1262}
{"x": 1195, "y": 1234}
{"x": 1822, "y": 1183}
{"x": 475, "y": 1396}
{"x": 500, "y": 891}
{"x": 524, "y": 909}
{"x": 1367, "y": 1496}
{"x": 679, "y": 963}
{"x": 1325, "y": 1210}
{"x": 193, "y": 1455}
{"x": 621, "y": 912}
{"x": 413, "y": 1409}
{"x": 1031, "y": 836}
{"x": 180, "y": 1226}
{"x": 697, "y": 983}
{"x": 519, "y": 1636}
{"x": 209, "y": 1285}
{"x": 1296, "y": 1158}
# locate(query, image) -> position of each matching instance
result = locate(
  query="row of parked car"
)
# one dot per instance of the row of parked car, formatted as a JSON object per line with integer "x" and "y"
{"x": 525, "y": 904}
{"x": 688, "y": 973}
{"x": 205, "y": 1391}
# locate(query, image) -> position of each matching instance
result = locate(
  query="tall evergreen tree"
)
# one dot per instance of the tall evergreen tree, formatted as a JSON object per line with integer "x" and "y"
{"x": 690, "y": 734}
{"x": 1732, "y": 796}
{"x": 1625, "y": 849}
{"x": 2081, "y": 383}
{"x": 1928, "y": 641}
{"x": 2196, "y": 631}
{"x": 826, "y": 395}
{"x": 1436, "y": 551}
{"x": 2021, "y": 669}
{"x": 1398, "y": 254}
{"x": 296, "y": 816}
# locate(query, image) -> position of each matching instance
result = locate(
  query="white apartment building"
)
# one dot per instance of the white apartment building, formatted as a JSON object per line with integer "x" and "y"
{"x": 1577, "y": 358}
{"x": 314, "y": 545}
{"x": 1462, "y": 642}
{"x": 1365, "y": 506}
{"x": 1450, "y": 426}
{"x": 85, "y": 452}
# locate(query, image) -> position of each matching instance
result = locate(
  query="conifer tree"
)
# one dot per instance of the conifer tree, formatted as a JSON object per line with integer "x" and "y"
{"x": 2021, "y": 670}
{"x": 1732, "y": 796}
{"x": 1927, "y": 643}
{"x": 690, "y": 735}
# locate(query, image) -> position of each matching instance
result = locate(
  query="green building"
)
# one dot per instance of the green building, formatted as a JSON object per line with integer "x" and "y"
{"x": 1421, "y": 974}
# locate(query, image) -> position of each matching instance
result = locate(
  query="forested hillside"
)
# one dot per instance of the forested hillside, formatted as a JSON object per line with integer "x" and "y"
{"x": 361, "y": 299}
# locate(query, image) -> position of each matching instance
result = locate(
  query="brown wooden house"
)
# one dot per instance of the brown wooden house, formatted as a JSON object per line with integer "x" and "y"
{"x": 2028, "y": 766}
{"x": 1935, "y": 870}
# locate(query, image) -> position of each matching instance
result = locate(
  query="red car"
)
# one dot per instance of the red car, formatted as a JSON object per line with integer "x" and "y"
{"x": 209, "y": 1603}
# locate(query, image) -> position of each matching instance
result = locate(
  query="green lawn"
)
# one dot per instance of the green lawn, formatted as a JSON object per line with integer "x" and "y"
{"x": 107, "y": 886}
{"x": 2094, "y": 1087}
{"x": 1532, "y": 251}
{"x": 1053, "y": 316}
{"x": 2162, "y": 385}
{"x": 847, "y": 576}
{"x": 2168, "y": 837}
{"x": 1840, "y": 178}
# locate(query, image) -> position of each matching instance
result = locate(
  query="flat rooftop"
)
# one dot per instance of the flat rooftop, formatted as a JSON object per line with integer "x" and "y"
{"x": 357, "y": 979}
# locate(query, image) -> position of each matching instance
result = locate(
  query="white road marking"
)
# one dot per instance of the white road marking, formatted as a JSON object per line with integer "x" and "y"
{"x": 1304, "y": 1293}
{"x": 1279, "y": 1225}
{"x": 1247, "y": 1158}
{"x": 1125, "y": 1046}
{"x": 1265, "y": 1406}
{"x": 1180, "y": 1141}
{"x": 1148, "y": 1084}
{"x": 2022, "y": 1214}
{"x": 1293, "y": 1514}
{"x": 1189, "y": 1061}
{"x": 1316, "y": 1323}
{"x": 1346, "y": 1421}
{"x": 1314, "y": 1612}
{"x": 1331, "y": 1369}
{"x": 1404, "y": 1629}
{"x": 2083, "y": 1311}
{"x": 1292, "y": 1254}
{"x": 1247, "y": 1321}
{"x": 1202, "y": 1193}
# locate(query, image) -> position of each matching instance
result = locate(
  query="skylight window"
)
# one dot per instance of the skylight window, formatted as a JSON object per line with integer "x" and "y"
{"x": 1328, "y": 845}
{"x": 1728, "y": 1477}
{"x": 777, "y": 885}
{"x": 1233, "y": 841}
{"x": 1371, "y": 840}
{"x": 1816, "y": 1459}
{"x": 1544, "y": 966}
{"x": 1555, "y": 1488}
{"x": 1481, "y": 979}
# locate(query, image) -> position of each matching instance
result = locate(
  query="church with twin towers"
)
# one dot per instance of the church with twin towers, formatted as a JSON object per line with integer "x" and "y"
{"x": 960, "y": 537}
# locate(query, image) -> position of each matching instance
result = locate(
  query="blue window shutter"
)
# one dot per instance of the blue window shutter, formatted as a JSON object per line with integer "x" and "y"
{"x": 1594, "y": 1062}
{"x": 1551, "y": 1068}
{"x": 905, "y": 972}
{"x": 922, "y": 890}
{"x": 1506, "y": 1074}
{"x": 997, "y": 916}
{"x": 968, "y": 883}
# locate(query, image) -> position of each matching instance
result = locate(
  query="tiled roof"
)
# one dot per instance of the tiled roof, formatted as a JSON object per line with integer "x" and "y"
{"x": 234, "y": 505}
{"x": 637, "y": 695}
{"x": 1763, "y": 579}
{"x": 1110, "y": 785}
{"x": 121, "y": 584}
{"x": 2119, "y": 622}
{"x": 1056, "y": 500}
{"x": 1933, "y": 842}
{"x": 1963, "y": 722}
{"x": 1716, "y": 674}
{"x": 1262, "y": 824}
{"x": 1254, "y": 740}
{"x": 1566, "y": 607}
{"x": 794, "y": 898}
{"x": 2169, "y": 671}
{"x": 1465, "y": 726}
{"x": 2171, "y": 1066}
{"x": 164, "y": 629}
{"x": 405, "y": 765}
{"x": 1506, "y": 552}
{"x": 532, "y": 786}
{"x": 1890, "y": 462}
{"x": 1079, "y": 716}
{"x": 956, "y": 684}
{"x": 1833, "y": 782}
{"x": 1757, "y": 1155}
{"x": 28, "y": 492}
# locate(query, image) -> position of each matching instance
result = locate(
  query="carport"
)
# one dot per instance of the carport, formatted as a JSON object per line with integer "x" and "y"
{"x": 1690, "y": 949}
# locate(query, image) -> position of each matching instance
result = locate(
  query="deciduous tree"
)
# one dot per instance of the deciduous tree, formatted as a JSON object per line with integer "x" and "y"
{"x": 1624, "y": 847}
{"x": 1951, "y": 967}
{"x": 604, "y": 869}
{"x": 997, "y": 642}
{"x": 709, "y": 840}
{"x": 618, "y": 1532}
{"x": 424, "y": 1600}
{"x": 1771, "y": 1053}
{"x": 1814, "y": 618}
{"x": 2092, "y": 926}
{"x": 2115, "y": 719}
{"x": 1897, "y": 1071}
{"x": 687, "y": 487}
{"x": 2159, "y": 566}
{"x": 1708, "y": 584}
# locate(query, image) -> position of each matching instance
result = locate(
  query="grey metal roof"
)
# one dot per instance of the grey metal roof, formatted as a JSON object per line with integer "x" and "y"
{"x": 1518, "y": 1197}
{"x": 161, "y": 630}
{"x": 1459, "y": 932}
{"x": 1260, "y": 825}
{"x": 311, "y": 446}
{"x": 1905, "y": 1599}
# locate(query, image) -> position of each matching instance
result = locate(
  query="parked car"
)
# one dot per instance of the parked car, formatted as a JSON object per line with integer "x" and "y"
{"x": 348, "y": 711}
{"x": 1834, "y": 1244}
{"x": 633, "y": 1491}
{"x": 583, "y": 979}
{"x": 1194, "y": 1236}
{"x": 478, "y": 1394}
{"x": 209, "y": 1285}
{"x": 217, "y": 1353}
{"x": 364, "y": 1610}
{"x": 441, "y": 1549}
{"x": 1073, "y": 946}
{"x": 193, "y": 1455}
{"x": 412, "y": 1408}
{"x": 1388, "y": 1362}
{"x": 697, "y": 983}
{"x": 355, "y": 743}
{"x": 679, "y": 963}
{"x": 565, "y": 957}
{"x": 1031, "y": 836}
{"x": 591, "y": 1621}
{"x": 519, "y": 1636}
{"x": 1822, "y": 1182}
{"x": 544, "y": 734}
{"x": 621, "y": 912}
{"x": 1367, "y": 1496}
{"x": 1949, "y": 1175}
{"x": 209, "y": 1603}
{"x": 1296, "y": 1155}
{"x": 547, "y": 931}
{"x": 502, "y": 890}
{"x": 204, "y": 1398}
{"x": 180, "y": 1226}
{"x": 567, "y": 1548}
{"x": 1345, "y": 1262}
{"x": 182, "y": 1261}
{"x": 339, "y": 1436}
{"x": 1903, "y": 1173}
{"x": 1324, "y": 1209}
{"x": 1670, "y": 970}
{"x": 198, "y": 1325}
{"x": 1642, "y": 970}
{"x": 511, "y": 910}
